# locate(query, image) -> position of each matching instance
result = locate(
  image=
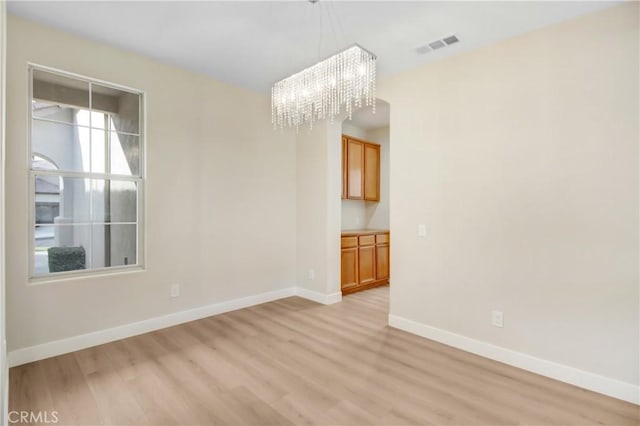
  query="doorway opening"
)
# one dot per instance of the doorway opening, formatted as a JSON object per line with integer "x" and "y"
{"x": 365, "y": 228}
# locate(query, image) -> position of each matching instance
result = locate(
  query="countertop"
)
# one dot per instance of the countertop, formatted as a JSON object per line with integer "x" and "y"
{"x": 354, "y": 232}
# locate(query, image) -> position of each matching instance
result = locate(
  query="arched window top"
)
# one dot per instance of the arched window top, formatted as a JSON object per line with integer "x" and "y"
{"x": 42, "y": 162}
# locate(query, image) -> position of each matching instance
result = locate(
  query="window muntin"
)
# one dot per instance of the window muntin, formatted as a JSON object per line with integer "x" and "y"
{"x": 86, "y": 175}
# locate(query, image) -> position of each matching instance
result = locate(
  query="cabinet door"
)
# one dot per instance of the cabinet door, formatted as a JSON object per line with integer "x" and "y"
{"x": 382, "y": 261}
{"x": 344, "y": 167}
{"x": 371, "y": 172}
{"x": 349, "y": 260}
{"x": 355, "y": 169}
{"x": 366, "y": 264}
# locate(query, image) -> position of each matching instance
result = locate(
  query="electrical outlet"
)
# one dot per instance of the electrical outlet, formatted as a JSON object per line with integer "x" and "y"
{"x": 422, "y": 230}
{"x": 497, "y": 319}
{"x": 175, "y": 290}
{"x": 312, "y": 274}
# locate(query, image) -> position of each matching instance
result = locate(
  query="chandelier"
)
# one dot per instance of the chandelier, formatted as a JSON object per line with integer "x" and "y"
{"x": 346, "y": 79}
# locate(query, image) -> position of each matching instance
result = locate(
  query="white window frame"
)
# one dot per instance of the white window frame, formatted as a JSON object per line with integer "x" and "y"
{"x": 140, "y": 264}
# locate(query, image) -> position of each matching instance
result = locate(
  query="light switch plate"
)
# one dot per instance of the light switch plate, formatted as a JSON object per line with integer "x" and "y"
{"x": 422, "y": 230}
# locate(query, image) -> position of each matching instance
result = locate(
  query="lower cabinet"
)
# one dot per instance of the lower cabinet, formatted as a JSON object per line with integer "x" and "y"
{"x": 365, "y": 261}
{"x": 366, "y": 264}
{"x": 349, "y": 262}
{"x": 382, "y": 261}
{"x": 382, "y": 256}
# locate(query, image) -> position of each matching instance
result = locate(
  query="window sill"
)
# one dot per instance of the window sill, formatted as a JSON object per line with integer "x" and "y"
{"x": 83, "y": 274}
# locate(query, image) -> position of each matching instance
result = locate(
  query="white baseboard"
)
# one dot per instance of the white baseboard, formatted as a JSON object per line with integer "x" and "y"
{"x": 584, "y": 379}
{"x": 83, "y": 341}
{"x": 325, "y": 299}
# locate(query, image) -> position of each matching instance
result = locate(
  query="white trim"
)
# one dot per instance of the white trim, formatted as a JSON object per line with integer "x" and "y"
{"x": 584, "y": 379}
{"x": 84, "y": 126}
{"x": 83, "y": 341}
{"x": 68, "y": 74}
{"x": 325, "y": 299}
{"x": 84, "y": 175}
{"x": 57, "y": 277}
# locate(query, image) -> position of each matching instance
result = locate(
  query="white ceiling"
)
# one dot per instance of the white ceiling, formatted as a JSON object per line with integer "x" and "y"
{"x": 253, "y": 44}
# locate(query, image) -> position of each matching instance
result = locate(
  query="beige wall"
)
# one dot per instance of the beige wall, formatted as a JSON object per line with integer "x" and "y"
{"x": 318, "y": 211}
{"x": 311, "y": 208}
{"x": 522, "y": 160}
{"x": 221, "y": 195}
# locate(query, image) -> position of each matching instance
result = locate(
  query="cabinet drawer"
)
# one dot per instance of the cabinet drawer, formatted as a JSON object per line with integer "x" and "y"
{"x": 367, "y": 240}
{"x": 382, "y": 239}
{"x": 347, "y": 242}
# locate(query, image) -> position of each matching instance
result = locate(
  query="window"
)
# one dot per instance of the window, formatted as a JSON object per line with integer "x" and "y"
{"x": 86, "y": 174}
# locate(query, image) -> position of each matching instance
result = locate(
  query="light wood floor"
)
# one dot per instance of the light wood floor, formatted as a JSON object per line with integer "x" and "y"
{"x": 296, "y": 362}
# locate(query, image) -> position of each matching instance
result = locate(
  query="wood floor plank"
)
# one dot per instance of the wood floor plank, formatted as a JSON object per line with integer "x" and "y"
{"x": 108, "y": 388}
{"x": 70, "y": 393}
{"x": 162, "y": 402}
{"x": 32, "y": 395}
{"x": 293, "y": 361}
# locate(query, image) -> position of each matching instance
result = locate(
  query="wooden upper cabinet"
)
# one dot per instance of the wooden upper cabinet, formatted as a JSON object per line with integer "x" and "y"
{"x": 360, "y": 169}
{"x": 355, "y": 169}
{"x": 344, "y": 167}
{"x": 371, "y": 172}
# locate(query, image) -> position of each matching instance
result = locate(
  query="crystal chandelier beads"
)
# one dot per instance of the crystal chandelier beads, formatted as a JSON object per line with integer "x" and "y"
{"x": 345, "y": 79}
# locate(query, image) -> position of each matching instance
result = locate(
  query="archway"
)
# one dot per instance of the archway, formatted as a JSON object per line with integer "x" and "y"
{"x": 360, "y": 212}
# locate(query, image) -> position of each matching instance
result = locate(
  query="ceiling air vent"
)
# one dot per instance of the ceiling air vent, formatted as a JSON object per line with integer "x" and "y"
{"x": 450, "y": 40}
{"x": 438, "y": 44}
